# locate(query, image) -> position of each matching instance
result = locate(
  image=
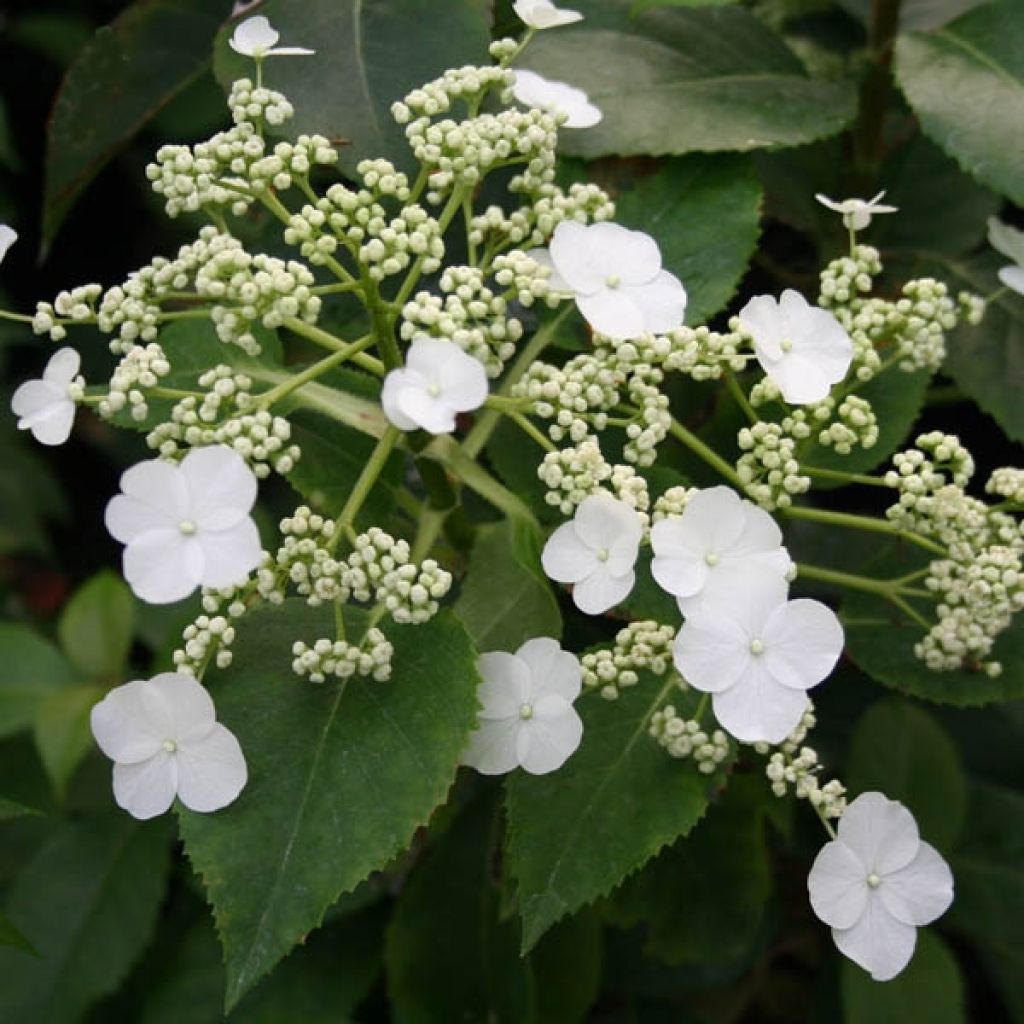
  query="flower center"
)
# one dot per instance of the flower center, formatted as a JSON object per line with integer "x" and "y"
{"x": 613, "y": 280}
{"x": 187, "y": 527}
{"x": 525, "y": 711}
{"x": 170, "y": 746}
{"x": 874, "y": 881}
{"x": 756, "y": 647}
{"x": 711, "y": 559}
{"x": 786, "y": 344}
{"x": 434, "y": 390}
{"x": 602, "y": 555}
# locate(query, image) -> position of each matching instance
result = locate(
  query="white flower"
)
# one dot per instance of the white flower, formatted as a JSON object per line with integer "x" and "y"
{"x": 544, "y": 14}
{"x": 532, "y": 90}
{"x": 757, "y": 654}
{"x": 8, "y": 236}
{"x": 164, "y": 740}
{"x": 596, "y": 551}
{"x": 255, "y": 37}
{"x": 47, "y": 406}
{"x": 857, "y": 213}
{"x": 1010, "y": 242}
{"x": 527, "y": 719}
{"x": 186, "y": 525}
{"x": 437, "y": 381}
{"x": 803, "y": 349}
{"x": 616, "y": 278}
{"x": 877, "y": 883}
{"x": 714, "y": 548}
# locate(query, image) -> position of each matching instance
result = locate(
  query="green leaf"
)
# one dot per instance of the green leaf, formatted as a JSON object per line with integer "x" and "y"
{"x": 96, "y": 626}
{"x": 681, "y": 81}
{"x": 31, "y": 669}
{"x": 367, "y": 57}
{"x": 705, "y": 213}
{"x": 566, "y": 965}
{"x": 62, "y": 732}
{"x": 574, "y": 835}
{"x": 88, "y": 903}
{"x": 930, "y": 989}
{"x": 11, "y": 809}
{"x": 339, "y": 777}
{"x": 917, "y": 14}
{"x": 505, "y": 599}
{"x": 965, "y": 83}
{"x": 127, "y": 73}
{"x": 10, "y": 936}
{"x": 899, "y": 749}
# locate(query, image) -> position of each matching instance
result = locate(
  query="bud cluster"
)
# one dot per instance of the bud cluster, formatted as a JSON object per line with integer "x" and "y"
{"x": 686, "y": 737}
{"x": 370, "y": 658}
{"x": 643, "y": 645}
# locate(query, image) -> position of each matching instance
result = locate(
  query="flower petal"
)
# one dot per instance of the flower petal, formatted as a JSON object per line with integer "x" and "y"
{"x": 877, "y": 942}
{"x": 147, "y": 788}
{"x": 1013, "y": 278}
{"x": 395, "y": 385}
{"x": 680, "y": 577}
{"x": 757, "y": 709}
{"x": 211, "y": 771}
{"x": 921, "y": 891}
{"x": 547, "y": 741}
{"x": 802, "y": 643}
{"x": 62, "y": 368}
{"x": 506, "y": 685}
{"x": 881, "y": 832}
{"x": 290, "y": 51}
{"x": 762, "y": 318}
{"x": 434, "y": 415}
{"x": 221, "y": 486}
{"x": 601, "y": 591}
{"x": 631, "y": 256}
{"x": 602, "y": 520}
{"x": 552, "y": 670}
{"x": 8, "y": 236}
{"x": 230, "y": 555}
{"x": 612, "y": 312}
{"x": 837, "y": 885}
{"x": 1007, "y": 240}
{"x": 462, "y": 378}
{"x": 712, "y": 651}
{"x": 189, "y": 705}
{"x": 492, "y": 746}
{"x": 131, "y": 722}
{"x": 662, "y": 302}
{"x": 160, "y": 488}
{"x": 162, "y": 566}
{"x": 800, "y": 380}
{"x": 565, "y": 558}
{"x": 571, "y": 256}
{"x": 254, "y": 35}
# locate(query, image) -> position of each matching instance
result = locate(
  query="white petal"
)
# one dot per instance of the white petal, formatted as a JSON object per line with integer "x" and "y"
{"x": 712, "y": 651}
{"x": 50, "y": 425}
{"x": 131, "y": 722}
{"x": 830, "y": 203}
{"x": 800, "y": 380}
{"x": 290, "y": 51}
{"x": 462, "y": 378}
{"x": 680, "y": 577}
{"x": 162, "y": 566}
{"x": 802, "y": 643}
{"x": 881, "y": 832}
{"x": 506, "y": 685}
{"x": 146, "y": 789}
{"x": 552, "y": 670}
{"x": 762, "y": 318}
{"x": 662, "y": 302}
{"x": 222, "y": 488}
{"x": 549, "y": 738}
{"x": 1013, "y": 278}
{"x": 565, "y": 558}
{"x": 254, "y": 35}
{"x": 760, "y": 533}
{"x": 921, "y": 891}
{"x": 8, "y": 236}
{"x": 612, "y": 312}
{"x": 714, "y": 520}
{"x": 189, "y": 706}
{"x": 733, "y": 580}
{"x": 211, "y": 771}
{"x": 571, "y": 255}
{"x": 1007, "y": 240}
{"x": 631, "y": 256}
{"x": 434, "y": 415}
{"x": 602, "y": 520}
{"x": 36, "y": 398}
{"x": 825, "y": 342}
{"x": 492, "y": 746}
{"x": 230, "y": 555}
{"x": 601, "y": 591}
{"x": 543, "y": 258}
{"x": 533, "y": 90}
{"x": 837, "y": 885}
{"x": 157, "y": 485}
{"x": 541, "y": 14}
{"x": 62, "y": 368}
{"x": 878, "y": 942}
{"x": 757, "y": 709}
{"x": 395, "y": 384}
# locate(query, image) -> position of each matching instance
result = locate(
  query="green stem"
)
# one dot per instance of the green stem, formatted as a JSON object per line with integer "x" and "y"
{"x": 275, "y": 394}
{"x": 430, "y": 523}
{"x": 531, "y": 431}
{"x": 383, "y": 325}
{"x": 21, "y": 318}
{"x": 909, "y": 611}
{"x": 821, "y": 817}
{"x": 475, "y": 477}
{"x": 741, "y": 399}
{"x": 866, "y": 523}
{"x": 276, "y": 207}
{"x": 842, "y": 476}
{"x": 875, "y": 92}
{"x": 702, "y": 451}
{"x": 467, "y": 212}
{"x": 453, "y": 206}
{"x": 887, "y": 588}
{"x": 327, "y": 340}
{"x": 333, "y": 289}
{"x": 367, "y": 478}
{"x": 184, "y": 314}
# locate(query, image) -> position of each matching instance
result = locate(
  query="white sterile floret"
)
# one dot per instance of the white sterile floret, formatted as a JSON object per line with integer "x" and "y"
{"x": 47, "y": 406}
{"x": 857, "y": 213}
{"x": 803, "y": 349}
{"x": 757, "y": 654}
{"x": 186, "y": 525}
{"x": 877, "y": 883}
{"x": 1010, "y": 242}
{"x": 437, "y": 381}
{"x": 596, "y": 552}
{"x": 8, "y": 236}
{"x": 533, "y": 90}
{"x": 712, "y": 550}
{"x": 616, "y": 278}
{"x": 544, "y": 14}
{"x": 256, "y": 38}
{"x": 527, "y": 719}
{"x": 164, "y": 739}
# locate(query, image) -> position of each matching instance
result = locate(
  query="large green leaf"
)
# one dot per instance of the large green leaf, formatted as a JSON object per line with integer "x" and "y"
{"x": 131, "y": 69}
{"x": 10, "y": 936}
{"x": 62, "y": 732}
{"x": 339, "y": 776}
{"x": 574, "y": 835}
{"x": 95, "y": 627}
{"x": 368, "y": 55}
{"x": 917, "y": 14}
{"x": 679, "y": 81}
{"x": 87, "y": 903}
{"x": 965, "y": 82}
{"x": 31, "y": 670}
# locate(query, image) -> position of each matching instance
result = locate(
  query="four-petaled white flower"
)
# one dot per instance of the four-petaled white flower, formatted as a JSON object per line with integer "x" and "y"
{"x": 877, "y": 883}
{"x": 256, "y": 38}
{"x": 1010, "y": 242}
{"x": 857, "y": 213}
{"x": 803, "y": 349}
{"x": 757, "y": 655}
{"x": 164, "y": 739}
{"x": 713, "y": 550}
{"x": 615, "y": 276}
{"x": 544, "y": 14}
{"x": 527, "y": 719}
{"x": 47, "y": 406}
{"x": 8, "y": 236}
{"x": 596, "y": 551}
{"x": 533, "y": 90}
{"x": 437, "y": 381}
{"x": 186, "y": 525}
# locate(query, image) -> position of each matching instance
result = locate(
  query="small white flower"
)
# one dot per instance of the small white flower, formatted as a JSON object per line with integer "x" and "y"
{"x": 527, "y": 719}
{"x": 757, "y": 655}
{"x": 186, "y": 525}
{"x": 803, "y": 349}
{"x": 877, "y": 883}
{"x": 47, "y": 406}
{"x": 596, "y": 551}
{"x": 532, "y": 90}
{"x": 164, "y": 739}
{"x": 437, "y": 381}
{"x": 1010, "y": 242}
{"x": 715, "y": 547}
{"x": 616, "y": 278}
{"x": 256, "y": 38}
{"x": 857, "y": 213}
{"x": 544, "y": 14}
{"x": 8, "y": 236}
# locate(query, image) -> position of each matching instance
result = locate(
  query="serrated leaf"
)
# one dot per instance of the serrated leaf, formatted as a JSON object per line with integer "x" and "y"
{"x": 681, "y": 81}
{"x": 574, "y": 835}
{"x": 95, "y": 628}
{"x": 367, "y": 57}
{"x": 62, "y": 732}
{"x": 31, "y": 669}
{"x": 901, "y": 750}
{"x": 339, "y": 777}
{"x": 127, "y": 73}
{"x": 87, "y": 903}
{"x": 965, "y": 83}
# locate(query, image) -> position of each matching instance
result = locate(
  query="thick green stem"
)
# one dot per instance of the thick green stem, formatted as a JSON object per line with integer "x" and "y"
{"x": 887, "y": 588}
{"x": 866, "y": 523}
{"x": 276, "y": 207}
{"x": 702, "y": 451}
{"x": 21, "y": 318}
{"x": 275, "y": 394}
{"x": 383, "y": 324}
{"x": 877, "y": 87}
{"x": 329, "y": 341}
{"x": 367, "y": 478}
